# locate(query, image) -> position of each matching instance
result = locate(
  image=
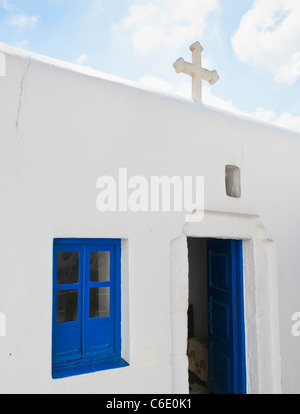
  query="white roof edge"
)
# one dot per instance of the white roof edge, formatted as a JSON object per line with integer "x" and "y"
{"x": 247, "y": 118}
{"x": 85, "y": 70}
{"x": 88, "y": 71}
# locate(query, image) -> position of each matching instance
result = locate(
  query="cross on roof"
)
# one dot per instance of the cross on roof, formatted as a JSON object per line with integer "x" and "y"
{"x": 196, "y": 70}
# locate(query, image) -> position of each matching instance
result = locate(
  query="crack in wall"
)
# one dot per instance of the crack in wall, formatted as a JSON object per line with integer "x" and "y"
{"x": 21, "y": 91}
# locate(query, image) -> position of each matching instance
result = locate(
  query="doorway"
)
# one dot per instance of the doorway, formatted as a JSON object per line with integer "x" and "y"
{"x": 216, "y": 337}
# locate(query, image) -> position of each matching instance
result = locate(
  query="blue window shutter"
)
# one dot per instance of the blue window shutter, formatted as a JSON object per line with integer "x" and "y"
{"x": 86, "y": 306}
{"x": 67, "y": 338}
{"x": 100, "y": 332}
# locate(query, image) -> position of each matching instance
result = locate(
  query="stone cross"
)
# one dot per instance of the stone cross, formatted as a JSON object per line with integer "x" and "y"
{"x": 196, "y": 70}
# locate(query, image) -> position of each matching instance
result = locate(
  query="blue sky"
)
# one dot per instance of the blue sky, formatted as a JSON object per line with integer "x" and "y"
{"x": 254, "y": 45}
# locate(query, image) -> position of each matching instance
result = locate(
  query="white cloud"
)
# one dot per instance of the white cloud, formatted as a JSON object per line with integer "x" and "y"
{"x": 23, "y": 44}
{"x": 81, "y": 59}
{"x": 156, "y": 84}
{"x": 94, "y": 10}
{"x": 285, "y": 120}
{"x": 269, "y": 37}
{"x": 5, "y": 4}
{"x": 183, "y": 89}
{"x": 22, "y": 21}
{"x": 168, "y": 23}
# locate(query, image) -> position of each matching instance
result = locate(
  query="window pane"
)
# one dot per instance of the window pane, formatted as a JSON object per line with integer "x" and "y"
{"x": 99, "y": 302}
{"x": 100, "y": 266}
{"x": 67, "y": 306}
{"x": 67, "y": 268}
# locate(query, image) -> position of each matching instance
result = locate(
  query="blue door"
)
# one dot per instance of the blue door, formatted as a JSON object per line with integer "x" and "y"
{"x": 225, "y": 317}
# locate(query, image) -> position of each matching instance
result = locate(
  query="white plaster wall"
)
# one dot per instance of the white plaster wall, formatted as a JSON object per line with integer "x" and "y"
{"x": 59, "y": 131}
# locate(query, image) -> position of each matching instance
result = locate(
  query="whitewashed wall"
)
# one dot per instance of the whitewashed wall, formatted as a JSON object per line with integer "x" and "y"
{"x": 60, "y": 130}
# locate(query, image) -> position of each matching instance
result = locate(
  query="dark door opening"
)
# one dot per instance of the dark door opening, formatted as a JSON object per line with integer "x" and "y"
{"x": 216, "y": 336}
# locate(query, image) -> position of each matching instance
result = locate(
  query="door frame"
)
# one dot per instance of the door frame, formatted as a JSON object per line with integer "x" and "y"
{"x": 261, "y": 309}
{"x": 241, "y": 351}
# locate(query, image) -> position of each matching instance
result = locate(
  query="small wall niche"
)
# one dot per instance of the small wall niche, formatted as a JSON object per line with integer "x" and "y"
{"x": 233, "y": 181}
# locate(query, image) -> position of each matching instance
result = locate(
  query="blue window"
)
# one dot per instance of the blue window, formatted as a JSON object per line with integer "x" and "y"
{"x": 86, "y": 335}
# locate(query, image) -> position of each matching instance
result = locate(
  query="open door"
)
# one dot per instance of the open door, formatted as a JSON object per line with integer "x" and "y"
{"x": 216, "y": 340}
{"x": 226, "y": 352}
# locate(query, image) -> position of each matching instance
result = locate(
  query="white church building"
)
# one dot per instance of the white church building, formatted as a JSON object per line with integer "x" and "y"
{"x": 108, "y": 275}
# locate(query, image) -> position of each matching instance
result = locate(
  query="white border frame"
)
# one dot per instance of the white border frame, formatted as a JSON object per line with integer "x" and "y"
{"x": 261, "y": 308}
